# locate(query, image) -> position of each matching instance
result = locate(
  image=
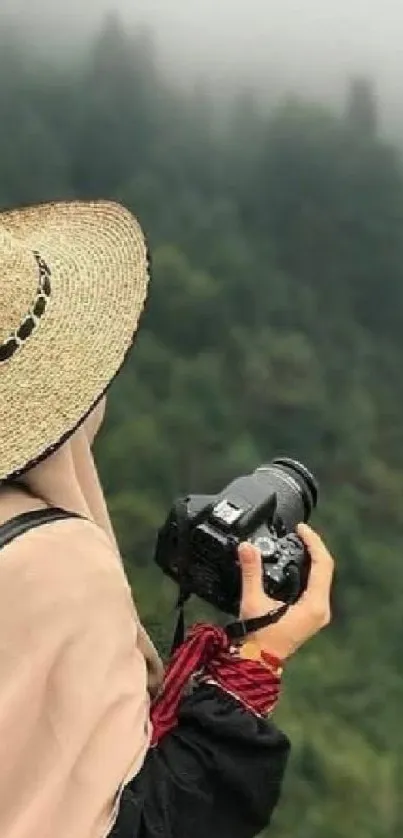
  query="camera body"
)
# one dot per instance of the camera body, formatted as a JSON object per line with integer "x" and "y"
{"x": 197, "y": 546}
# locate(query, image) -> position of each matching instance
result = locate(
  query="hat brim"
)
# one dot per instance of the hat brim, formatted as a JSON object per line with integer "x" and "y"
{"x": 98, "y": 259}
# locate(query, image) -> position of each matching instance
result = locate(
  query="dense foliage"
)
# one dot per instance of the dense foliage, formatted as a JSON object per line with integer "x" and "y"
{"x": 275, "y": 324}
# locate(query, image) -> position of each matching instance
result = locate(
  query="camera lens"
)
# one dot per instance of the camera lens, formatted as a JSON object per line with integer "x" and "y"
{"x": 295, "y": 486}
{"x": 307, "y": 482}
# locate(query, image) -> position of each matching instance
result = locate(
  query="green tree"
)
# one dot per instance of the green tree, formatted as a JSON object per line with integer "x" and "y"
{"x": 361, "y": 107}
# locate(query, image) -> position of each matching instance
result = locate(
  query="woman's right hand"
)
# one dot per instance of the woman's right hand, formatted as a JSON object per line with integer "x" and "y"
{"x": 304, "y": 619}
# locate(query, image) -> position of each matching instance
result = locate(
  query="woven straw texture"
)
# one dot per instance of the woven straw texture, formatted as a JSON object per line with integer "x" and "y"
{"x": 97, "y": 257}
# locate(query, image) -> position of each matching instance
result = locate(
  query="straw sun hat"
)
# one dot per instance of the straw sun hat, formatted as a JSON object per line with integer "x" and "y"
{"x": 73, "y": 282}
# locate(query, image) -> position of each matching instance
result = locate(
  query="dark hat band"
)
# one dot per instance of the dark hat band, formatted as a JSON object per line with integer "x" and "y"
{"x": 30, "y": 322}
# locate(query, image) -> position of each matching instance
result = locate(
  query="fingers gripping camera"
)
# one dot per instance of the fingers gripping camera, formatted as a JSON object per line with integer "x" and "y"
{"x": 197, "y": 546}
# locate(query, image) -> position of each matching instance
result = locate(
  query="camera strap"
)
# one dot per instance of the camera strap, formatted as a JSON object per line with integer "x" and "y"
{"x": 241, "y": 628}
{"x": 184, "y": 592}
{"x": 237, "y": 630}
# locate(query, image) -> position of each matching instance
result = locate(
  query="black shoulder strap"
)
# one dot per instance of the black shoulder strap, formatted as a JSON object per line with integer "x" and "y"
{"x": 30, "y": 520}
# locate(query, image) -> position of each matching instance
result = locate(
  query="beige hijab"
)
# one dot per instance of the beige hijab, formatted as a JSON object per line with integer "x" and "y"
{"x": 75, "y": 661}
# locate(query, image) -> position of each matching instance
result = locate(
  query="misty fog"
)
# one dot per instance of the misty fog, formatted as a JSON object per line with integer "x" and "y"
{"x": 310, "y": 46}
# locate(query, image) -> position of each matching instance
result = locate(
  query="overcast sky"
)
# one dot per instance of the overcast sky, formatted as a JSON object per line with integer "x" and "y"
{"x": 311, "y": 45}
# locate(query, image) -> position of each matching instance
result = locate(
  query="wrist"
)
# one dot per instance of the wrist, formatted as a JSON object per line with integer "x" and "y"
{"x": 275, "y": 642}
{"x": 253, "y": 649}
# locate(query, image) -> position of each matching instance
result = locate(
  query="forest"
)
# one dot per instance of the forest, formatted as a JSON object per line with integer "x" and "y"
{"x": 274, "y": 326}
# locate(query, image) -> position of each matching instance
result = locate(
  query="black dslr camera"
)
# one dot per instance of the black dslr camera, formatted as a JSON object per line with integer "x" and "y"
{"x": 197, "y": 546}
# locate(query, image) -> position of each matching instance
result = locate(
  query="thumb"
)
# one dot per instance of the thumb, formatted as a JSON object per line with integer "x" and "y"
{"x": 251, "y": 570}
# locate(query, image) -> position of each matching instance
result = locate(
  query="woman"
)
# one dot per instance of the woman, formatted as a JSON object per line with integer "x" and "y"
{"x": 94, "y": 741}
